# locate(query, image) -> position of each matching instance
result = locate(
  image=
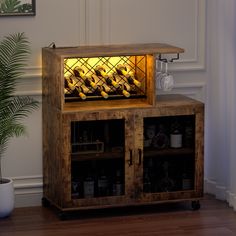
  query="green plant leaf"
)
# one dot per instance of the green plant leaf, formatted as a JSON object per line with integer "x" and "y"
{"x": 9, "y": 6}
{"x": 14, "y": 52}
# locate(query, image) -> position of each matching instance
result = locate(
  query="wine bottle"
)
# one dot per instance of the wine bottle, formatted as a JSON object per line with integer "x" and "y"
{"x": 80, "y": 93}
{"x": 69, "y": 83}
{"x": 89, "y": 82}
{"x": 101, "y": 91}
{"x": 84, "y": 88}
{"x": 121, "y": 81}
{"x": 101, "y": 71}
{"x": 67, "y": 91}
{"x": 98, "y": 81}
{"x": 79, "y": 72}
{"x": 122, "y": 70}
{"x": 123, "y": 91}
{"x": 73, "y": 86}
{"x": 123, "y": 88}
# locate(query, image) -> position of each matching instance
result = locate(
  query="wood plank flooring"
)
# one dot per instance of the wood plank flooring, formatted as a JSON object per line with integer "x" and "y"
{"x": 214, "y": 218}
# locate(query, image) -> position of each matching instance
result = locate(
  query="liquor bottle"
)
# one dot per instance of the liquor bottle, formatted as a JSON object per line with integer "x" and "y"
{"x": 101, "y": 71}
{"x": 188, "y": 134}
{"x": 186, "y": 177}
{"x": 122, "y": 70}
{"x": 89, "y": 186}
{"x": 186, "y": 181}
{"x": 161, "y": 140}
{"x": 75, "y": 188}
{"x": 103, "y": 184}
{"x": 176, "y": 135}
{"x": 166, "y": 183}
{"x": 79, "y": 72}
{"x": 117, "y": 188}
{"x": 146, "y": 181}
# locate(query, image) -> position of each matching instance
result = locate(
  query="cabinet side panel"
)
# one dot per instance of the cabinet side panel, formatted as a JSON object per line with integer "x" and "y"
{"x": 53, "y": 79}
{"x": 46, "y": 121}
{"x": 52, "y": 131}
{"x": 199, "y": 155}
{"x": 65, "y": 188}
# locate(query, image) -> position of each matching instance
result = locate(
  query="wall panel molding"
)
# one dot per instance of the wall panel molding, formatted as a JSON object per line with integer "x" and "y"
{"x": 82, "y": 22}
{"x": 196, "y": 62}
{"x": 195, "y": 90}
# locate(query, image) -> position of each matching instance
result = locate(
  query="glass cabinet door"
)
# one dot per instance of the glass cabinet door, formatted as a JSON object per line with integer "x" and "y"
{"x": 168, "y": 153}
{"x": 97, "y": 158}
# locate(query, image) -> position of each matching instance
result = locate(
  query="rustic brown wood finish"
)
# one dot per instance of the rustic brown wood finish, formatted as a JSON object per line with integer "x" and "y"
{"x": 58, "y": 115}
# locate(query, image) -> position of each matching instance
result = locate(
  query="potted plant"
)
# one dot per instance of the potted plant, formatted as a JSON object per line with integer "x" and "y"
{"x": 14, "y": 51}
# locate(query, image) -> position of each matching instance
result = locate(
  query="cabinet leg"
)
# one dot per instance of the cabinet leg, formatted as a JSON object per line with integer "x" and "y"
{"x": 196, "y": 205}
{"x": 45, "y": 202}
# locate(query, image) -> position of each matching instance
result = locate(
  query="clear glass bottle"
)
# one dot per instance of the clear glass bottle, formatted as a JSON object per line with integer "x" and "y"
{"x": 176, "y": 135}
{"x": 103, "y": 184}
{"x": 188, "y": 134}
{"x": 89, "y": 185}
{"x": 161, "y": 140}
{"x": 147, "y": 185}
{"x": 117, "y": 188}
{"x": 75, "y": 188}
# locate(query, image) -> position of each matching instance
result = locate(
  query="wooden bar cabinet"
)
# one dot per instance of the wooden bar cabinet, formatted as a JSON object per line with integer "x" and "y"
{"x": 108, "y": 139}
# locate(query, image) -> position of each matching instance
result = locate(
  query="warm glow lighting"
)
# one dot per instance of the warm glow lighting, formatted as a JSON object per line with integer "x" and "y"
{"x": 89, "y": 63}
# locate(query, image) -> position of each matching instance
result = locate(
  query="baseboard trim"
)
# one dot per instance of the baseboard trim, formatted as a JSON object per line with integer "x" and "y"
{"x": 28, "y": 190}
{"x": 220, "y": 192}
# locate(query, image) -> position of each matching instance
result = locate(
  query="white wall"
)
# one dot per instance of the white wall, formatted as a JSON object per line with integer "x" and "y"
{"x": 77, "y": 22}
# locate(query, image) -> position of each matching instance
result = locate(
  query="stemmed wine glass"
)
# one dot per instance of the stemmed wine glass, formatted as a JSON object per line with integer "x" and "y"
{"x": 165, "y": 81}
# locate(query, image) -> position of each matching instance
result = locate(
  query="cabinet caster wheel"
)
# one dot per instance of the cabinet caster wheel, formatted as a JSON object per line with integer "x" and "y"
{"x": 45, "y": 202}
{"x": 196, "y": 205}
{"x": 62, "y": 216}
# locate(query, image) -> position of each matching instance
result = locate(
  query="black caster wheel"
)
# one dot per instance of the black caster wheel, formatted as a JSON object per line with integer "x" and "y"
{"x": 45, "y": 202}
{"x": 196, "y": 205}
{"x": 62, "y": 216}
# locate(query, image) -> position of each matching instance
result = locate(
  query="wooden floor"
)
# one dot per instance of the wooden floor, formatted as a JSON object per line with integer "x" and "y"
{"x": 214, "y": 218}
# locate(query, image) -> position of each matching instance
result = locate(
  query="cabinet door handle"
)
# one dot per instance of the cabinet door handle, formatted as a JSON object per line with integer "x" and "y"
{"x": 130, "y": 157}
{"x": 140, "y": 156}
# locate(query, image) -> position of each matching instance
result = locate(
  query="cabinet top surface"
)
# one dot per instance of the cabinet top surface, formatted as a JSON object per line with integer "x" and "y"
{"x": 116, "y": 50}
{"x": 174, "y": 101}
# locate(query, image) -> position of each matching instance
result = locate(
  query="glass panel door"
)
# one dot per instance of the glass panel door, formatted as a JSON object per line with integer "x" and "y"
{"x": 97, "y": 158}
{"x": 169, "y": 154}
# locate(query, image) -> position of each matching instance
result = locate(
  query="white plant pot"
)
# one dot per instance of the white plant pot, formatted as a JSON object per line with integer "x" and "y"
{"x": 6, "y": 198}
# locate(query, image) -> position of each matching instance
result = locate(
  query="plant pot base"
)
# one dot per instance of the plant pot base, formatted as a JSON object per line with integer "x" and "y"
{"x": 7, "y": 198}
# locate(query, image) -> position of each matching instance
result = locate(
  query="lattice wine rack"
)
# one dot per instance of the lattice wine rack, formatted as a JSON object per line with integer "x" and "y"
{"x": 98, "y": 78}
